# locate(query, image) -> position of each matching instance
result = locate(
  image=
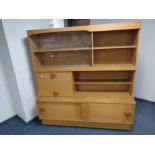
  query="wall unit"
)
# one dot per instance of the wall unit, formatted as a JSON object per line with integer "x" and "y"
{"x": 85, "y": 74}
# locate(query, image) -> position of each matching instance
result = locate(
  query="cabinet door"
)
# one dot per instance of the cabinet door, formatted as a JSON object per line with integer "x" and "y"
{"x": 59, "y": 111}
{"x": 55, "y": 84}
{"x": 108, "y": 113}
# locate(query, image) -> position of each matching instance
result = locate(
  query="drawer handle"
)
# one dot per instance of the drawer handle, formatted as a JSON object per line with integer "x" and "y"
{"x": 55, "y": 94}
{"x": 128, "y": 114}
{"x": 51, "y": 56}
{"x": 52, "y": 76}
{"x": 42, "y": 110}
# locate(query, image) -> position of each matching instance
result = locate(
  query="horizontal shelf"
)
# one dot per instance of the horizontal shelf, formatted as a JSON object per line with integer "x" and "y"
{"x": 83, "y": 48}
{"x": 93, "y": 97}
{"x": 64, "y": 49}
{"x": 114, "y": 67}
{"x": 108, "y": 83}
{"x": 95, "y": 67}
{"x": 114, "y": 47}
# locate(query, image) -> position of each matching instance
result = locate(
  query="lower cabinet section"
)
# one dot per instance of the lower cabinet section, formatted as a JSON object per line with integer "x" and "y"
{"x": 101, "y": 114}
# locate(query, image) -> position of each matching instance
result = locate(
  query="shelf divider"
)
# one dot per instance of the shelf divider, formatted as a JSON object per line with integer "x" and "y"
{"x": 92, "y": 51}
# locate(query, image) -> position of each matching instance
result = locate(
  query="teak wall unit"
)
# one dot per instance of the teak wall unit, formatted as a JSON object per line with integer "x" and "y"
{"x": 85, "y": 74}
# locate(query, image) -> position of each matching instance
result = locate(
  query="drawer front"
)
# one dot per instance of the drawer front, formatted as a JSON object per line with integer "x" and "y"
{"x": 55, "y": 84}
{"x": 110, "y": 113}
{"x": 59, "y": 111}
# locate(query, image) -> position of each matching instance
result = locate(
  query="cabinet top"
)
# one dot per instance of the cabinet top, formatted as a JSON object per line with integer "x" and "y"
{"x": 89, "y": 28}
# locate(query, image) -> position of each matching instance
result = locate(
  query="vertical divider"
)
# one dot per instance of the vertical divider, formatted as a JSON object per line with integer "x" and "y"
{"x": 73, "y": 80}
{"x": 132, "y": 76}
{"x": 92, "y": 50}
{"x": 33, "y": 47}
{"x": 134, "y": 61}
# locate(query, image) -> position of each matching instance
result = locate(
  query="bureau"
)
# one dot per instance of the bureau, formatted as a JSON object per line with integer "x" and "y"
{"x": 85, "y": 74}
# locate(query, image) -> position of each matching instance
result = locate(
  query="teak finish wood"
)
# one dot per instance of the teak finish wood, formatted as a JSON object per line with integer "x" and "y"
{"x": 95, "y": 97}
{"x": 55, "y": 84}
{"x": 111, "y": 113}
{"x": 87, "y": 67}
{"x": 59, "y": 111}
{"x": 90, "y": 112}
{"x": 87, "y": 124}
{"x": 90, "y": 28}
{"x": 85, "y": 75}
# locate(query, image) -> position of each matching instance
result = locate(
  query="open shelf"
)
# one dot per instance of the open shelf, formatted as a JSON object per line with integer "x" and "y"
{"x": 103, "y": 76}
{"x": 102, "y": 81}
{"x": 115, "y": 38}
{"x": 114, "y": 56}
{"x": 103, "y": 87}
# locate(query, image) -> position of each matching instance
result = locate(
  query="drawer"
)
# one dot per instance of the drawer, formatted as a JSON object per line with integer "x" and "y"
{"x": 55, "y": 84}
{"x": 109, "y": 113}
{"x": 59, "y": 111}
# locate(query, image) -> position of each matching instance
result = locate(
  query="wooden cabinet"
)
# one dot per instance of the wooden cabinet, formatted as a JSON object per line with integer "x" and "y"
{"x": 85, "y": 74}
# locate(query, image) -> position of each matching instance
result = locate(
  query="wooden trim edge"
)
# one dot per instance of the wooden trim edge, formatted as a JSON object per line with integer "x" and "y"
{"x": 90, "y": 28}
{"x": 87, "y": 124}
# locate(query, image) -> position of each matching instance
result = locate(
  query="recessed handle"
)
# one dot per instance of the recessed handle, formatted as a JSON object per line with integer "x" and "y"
{"x": 42, "y": 110}
{"x": 55, "y": 94}
{"x": 42, "y": 76}
{"x": 52, "y": 76}
{"x": 128, "y": 114}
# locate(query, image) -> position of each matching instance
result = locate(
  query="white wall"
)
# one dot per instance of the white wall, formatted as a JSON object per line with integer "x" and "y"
{"x": 56, "y": 23}
{"x": 145, "y": 76}
{"x": 6, "y": 110}
{"x": 6, "y": 104}
{"x": 19, "y": 76}
{"x": 15, "y": 32}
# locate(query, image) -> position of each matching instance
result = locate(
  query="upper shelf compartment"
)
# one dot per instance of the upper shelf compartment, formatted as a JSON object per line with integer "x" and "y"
{"x": 124, "y": 38}
{"x": 62, "y": 41}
